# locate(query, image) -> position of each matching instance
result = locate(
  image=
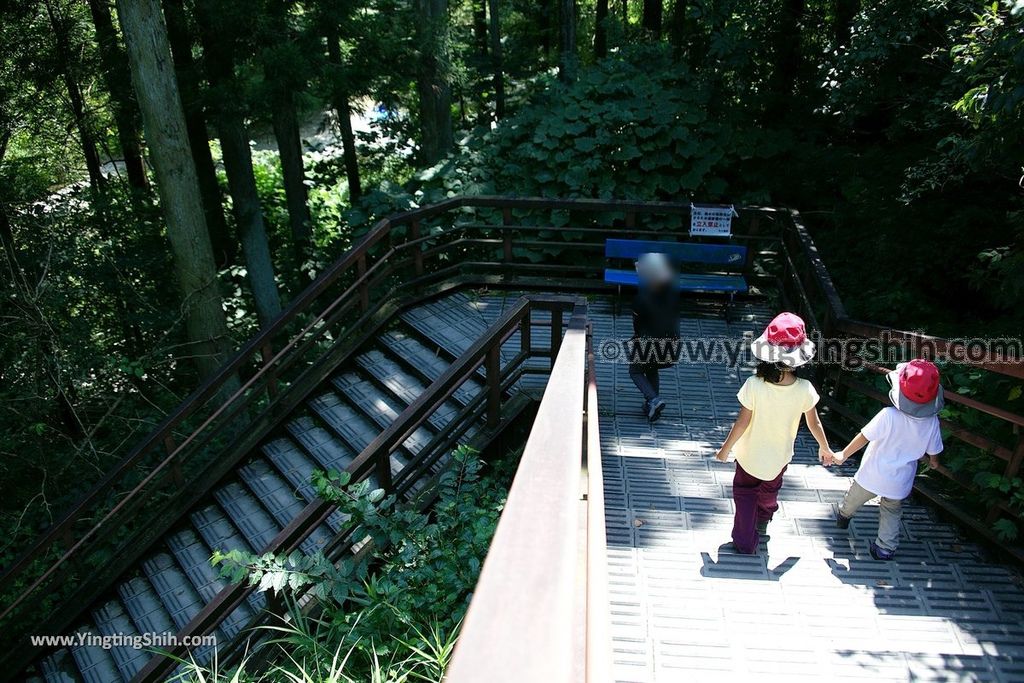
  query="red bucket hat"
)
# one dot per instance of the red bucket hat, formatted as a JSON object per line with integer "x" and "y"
{"x": 916, "y": 390}
{"x": 784, "y": 341}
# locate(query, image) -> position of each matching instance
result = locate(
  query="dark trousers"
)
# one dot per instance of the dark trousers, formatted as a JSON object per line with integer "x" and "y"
{"x": 645, "y": 377}
{"x": 756, "y": 500}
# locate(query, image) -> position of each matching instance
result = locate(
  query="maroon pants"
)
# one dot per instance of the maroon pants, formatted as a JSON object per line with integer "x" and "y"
{"x": 756, "y": 500}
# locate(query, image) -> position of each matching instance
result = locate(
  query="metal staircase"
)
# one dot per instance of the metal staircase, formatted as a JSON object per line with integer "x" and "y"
{"x": 167, "y": 589}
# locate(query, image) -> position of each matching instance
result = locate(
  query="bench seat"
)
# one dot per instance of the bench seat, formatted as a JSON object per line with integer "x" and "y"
{"x": 686, "y": 282}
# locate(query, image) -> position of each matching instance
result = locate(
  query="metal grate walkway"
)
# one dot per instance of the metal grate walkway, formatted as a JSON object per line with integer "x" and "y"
{"x": 816, "y": 606}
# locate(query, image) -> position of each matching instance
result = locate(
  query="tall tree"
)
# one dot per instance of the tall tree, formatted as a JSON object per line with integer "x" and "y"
{"x": 225, "y": 249}
{"x": 787, "y": 57}
{"x": 677, "y": 27}
{"x": 282, "y": 66}
{"x": 156, "y": 89}
{"x": 218, "y": 42}
{"x": 568, "y": 61}
{"x": 601, "y": 29}
{"x": 652, "y": 17}
{"x": 497, "y": 58}
{"x": 433, "y": 87}
{"x": 61, "y": 24}
{"x": 342, "y": 108}
{"x": 125, "y": 109}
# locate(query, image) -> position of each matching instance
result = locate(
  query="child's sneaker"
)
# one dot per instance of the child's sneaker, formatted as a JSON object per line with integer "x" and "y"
{"x": 880, "y": 553}
{"x": 841, "y": 521}
{"x": 654, "y": 408}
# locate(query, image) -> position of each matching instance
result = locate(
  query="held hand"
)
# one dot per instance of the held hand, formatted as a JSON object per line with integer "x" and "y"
{"x": 825, "y": 456}
{"x": 721, "y": 455}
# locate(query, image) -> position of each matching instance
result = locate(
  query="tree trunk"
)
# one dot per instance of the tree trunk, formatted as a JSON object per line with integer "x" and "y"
{"x": 480, "y": 27}
{"x": 234, "y": 143}
{"x": 289, "y": 147}
{"x": 225, "y": 249}
{"x": 218, "y": 57}
{"x": 567, "y": 58}
{"x": 432, "y": 83}
{"x": 62, "y": 41}
{"x": 787, "y": 58}
{"x": 125, "y": 109}
{"x": 339, "y": 96}
{"x": 846, "y": 11}
{"x": 497, "y": 59}
{"x": 601, "y": 30}
{"x": 652, "y": 15}
{"x": 545, "y": 10}
{"x": 677, "y": 28}
{"x": 164, "y": 121}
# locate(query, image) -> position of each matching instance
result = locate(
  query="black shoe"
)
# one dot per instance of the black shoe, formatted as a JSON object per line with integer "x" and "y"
{"x": 762, "y": 528}
{"x": 880, "y": 553}
{"x": 842, "y": 522}
{"x": 654, "y": 409}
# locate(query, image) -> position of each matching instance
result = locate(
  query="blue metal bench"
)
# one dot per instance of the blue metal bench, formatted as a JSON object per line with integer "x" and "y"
{"x": 730, "y": 258}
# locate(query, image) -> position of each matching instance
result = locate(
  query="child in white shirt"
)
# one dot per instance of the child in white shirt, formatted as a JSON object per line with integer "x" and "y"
{"x": 897, "y": 438}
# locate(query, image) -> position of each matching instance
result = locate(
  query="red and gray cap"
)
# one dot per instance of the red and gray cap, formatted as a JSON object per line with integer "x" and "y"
{"x": 916, "y": 390}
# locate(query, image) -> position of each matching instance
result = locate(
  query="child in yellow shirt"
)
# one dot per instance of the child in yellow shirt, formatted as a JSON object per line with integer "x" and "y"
{"x": 771, "y": 404}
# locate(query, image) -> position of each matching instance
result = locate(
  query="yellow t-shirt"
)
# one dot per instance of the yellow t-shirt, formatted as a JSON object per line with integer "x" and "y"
{"x": 767, "y": 445}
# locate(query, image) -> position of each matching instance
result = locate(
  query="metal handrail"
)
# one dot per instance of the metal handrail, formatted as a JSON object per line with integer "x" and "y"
{"x": 535, "y": 553}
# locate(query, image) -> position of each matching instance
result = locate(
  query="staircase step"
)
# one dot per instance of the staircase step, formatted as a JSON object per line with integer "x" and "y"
{"x": 59, "y": 668}
{"x": 112, "y": 620}
{"x": 281, "y": 500}
{"x": 144, "y": 606}
{"x": 194, "y": 558}
{"x": 350, "y": 424}
{"x": 255, "y": 523}
{"x": 177, "y": 595}
{"x": 428, "y": 364}
{"x": 298, "y": 469}
{"x": 328, "y": 451}
{"x": 403, "y": 386}
{"x": 95, "y": 664}
{"x": 381, "y": 408}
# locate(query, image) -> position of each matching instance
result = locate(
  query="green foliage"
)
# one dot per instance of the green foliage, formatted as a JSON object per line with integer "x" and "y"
{"x": 422, "y": 569}
{"x": 636, "y": 125}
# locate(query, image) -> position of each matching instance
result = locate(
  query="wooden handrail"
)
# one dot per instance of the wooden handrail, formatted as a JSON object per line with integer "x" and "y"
{"x": 598, "y": 624}
{"x": 523, "y": 617}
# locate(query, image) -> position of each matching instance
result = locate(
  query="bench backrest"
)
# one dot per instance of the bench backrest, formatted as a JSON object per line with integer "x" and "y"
{"x": 729, "y": 255}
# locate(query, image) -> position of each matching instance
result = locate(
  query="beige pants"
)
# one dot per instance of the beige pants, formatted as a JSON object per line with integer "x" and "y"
{"x": 890, "y": 511}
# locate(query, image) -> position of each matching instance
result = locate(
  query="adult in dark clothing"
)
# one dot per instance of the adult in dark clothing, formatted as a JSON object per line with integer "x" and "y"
{"x": 655, "y": 329}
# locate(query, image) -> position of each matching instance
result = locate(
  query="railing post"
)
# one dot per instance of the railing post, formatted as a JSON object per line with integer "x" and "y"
{"x": 1013, "y": 466}
{"x": 493, "y": 369}
{"x": 267, "y": 355}
{"x": 631, "y": 219}
{"x": 382, "y": 467}
{"x": 417, "y": 251}
{"x": 556, "y": 333}
{"x": 177, "y": 476}
{"x": 525, "y": 330}
{"x": 506, "y": 239}
{"x": 364, "y": 292}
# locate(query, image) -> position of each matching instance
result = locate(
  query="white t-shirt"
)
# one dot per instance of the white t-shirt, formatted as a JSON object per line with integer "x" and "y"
{"x": 896, "y": 441}
{"x": 767, "y": 445}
